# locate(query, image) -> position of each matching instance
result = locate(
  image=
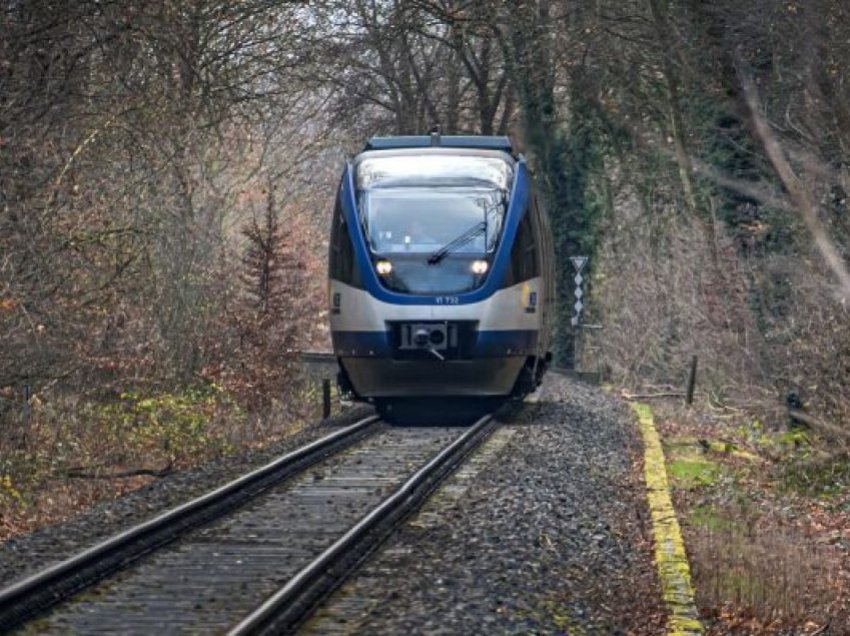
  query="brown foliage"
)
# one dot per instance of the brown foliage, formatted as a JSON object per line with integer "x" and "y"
{"x": 678, "y": 293}
{"x": 128, "y": 135}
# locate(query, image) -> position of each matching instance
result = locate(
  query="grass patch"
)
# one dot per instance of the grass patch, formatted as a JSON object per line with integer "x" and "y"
{"x": 689, "y": 466}
{"x": 691, "y": 474}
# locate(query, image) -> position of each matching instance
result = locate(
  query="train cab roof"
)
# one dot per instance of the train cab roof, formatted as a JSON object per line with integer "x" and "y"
{"x": 435, "y": 140}
{"x": 435, "y": 160}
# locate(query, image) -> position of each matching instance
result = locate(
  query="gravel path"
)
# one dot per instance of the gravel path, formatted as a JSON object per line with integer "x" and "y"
{"x": 547, "y": 535}
{"x": 29, "y": 553}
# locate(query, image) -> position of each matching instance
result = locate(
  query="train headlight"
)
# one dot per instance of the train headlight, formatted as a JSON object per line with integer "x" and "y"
{"x": 383, "y": 267}
{"x": 480, "y": 267}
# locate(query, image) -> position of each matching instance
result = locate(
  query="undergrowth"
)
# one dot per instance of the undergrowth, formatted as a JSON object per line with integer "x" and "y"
{"x": 765, "y": 511}
{"x": 75, "y": 451}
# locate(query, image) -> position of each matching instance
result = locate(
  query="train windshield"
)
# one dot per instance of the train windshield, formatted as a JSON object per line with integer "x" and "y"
{"x": 432, "y": 214}
{"x": 422, "y": 220}
{"x": 417, "y": 203}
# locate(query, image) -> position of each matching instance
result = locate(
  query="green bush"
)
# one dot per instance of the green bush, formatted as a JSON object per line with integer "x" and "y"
{"x": 177, "y": 426}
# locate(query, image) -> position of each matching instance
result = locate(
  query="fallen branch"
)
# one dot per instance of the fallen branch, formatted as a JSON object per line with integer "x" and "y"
{"x": 88, "y": 473}
{"x": 824, "y": 428}
{"x": 650, "y": 396}
{"x": 821, "y": 630}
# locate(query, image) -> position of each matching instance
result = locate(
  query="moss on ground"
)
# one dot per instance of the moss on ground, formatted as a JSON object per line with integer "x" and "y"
{"x": 688, "y": 464}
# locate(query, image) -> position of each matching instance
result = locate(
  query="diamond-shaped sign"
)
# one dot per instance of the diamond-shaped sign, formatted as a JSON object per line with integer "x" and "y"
{"x": 578, "y": 306}
{"x": 578, "y": 292}
{"x": 578, "y": 280}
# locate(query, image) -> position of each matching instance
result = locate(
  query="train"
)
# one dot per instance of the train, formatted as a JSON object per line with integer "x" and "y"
{"x": 440, "y": 273}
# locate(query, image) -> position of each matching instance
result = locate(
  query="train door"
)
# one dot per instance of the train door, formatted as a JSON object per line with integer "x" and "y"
{"x": 543, "y": 235}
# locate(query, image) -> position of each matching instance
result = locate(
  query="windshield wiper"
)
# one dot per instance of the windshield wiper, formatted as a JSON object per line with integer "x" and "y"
{"x": 457, "y": 243}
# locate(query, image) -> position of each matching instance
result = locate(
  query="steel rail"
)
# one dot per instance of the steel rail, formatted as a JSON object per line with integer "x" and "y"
{"x": 29, "y": 596}
{"x": 293, "y": 603}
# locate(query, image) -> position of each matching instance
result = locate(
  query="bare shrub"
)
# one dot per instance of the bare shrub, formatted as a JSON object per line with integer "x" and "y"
{"x": 667, "y": 288}
{"x": 763, "y": 573}
{"x": 807, "y": 334}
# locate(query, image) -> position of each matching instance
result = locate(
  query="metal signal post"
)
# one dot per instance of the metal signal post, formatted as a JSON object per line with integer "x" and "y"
{"x": 579, "y": 263}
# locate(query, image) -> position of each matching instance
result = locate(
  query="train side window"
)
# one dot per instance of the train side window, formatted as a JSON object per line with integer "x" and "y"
{"x": 511, "y": 270}
{"x": 528, "y": 245}
{"x": 334, "y": 255}
{"x": 540, "y": 233}
{"x": 342, "y": 264}
{"x": 524, "y": 259}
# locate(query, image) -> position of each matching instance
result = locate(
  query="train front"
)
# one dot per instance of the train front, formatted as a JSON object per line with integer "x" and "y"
{"x": 424, "y": 302}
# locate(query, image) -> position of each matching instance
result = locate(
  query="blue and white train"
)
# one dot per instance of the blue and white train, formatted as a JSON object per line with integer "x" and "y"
{"x": 440, "y": 272}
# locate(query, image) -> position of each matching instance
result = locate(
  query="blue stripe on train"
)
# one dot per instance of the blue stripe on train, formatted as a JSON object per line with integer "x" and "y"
{"x": 519, "y": 342}
{"x": 489, "y": 344}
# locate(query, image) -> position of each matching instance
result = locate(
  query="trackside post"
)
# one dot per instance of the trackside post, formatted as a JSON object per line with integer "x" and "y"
{"x": 326, "y": 398}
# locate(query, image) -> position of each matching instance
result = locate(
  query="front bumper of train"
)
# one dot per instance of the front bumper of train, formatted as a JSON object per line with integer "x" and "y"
{"x": 388, "y": 378}
{"x": 471, "y": 363}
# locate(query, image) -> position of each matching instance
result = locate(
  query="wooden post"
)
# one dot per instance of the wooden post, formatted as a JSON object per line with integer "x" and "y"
{"x": 27, "y": 408}
{"x": 326, "y": 398}
{"x": 576, "y": 348}
{"x": 692, "y": 382}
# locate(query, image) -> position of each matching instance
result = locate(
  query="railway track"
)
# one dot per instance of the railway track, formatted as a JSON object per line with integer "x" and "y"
{"x": 256, "y": 555}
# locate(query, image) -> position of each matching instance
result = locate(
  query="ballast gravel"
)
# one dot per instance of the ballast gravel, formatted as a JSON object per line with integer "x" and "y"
{"x": 30, "y": 553}
{"x": 547, "y": 533}
{"x": 550, "y": 536}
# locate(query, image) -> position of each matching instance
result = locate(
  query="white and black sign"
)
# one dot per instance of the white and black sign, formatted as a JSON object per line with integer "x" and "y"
{"x": 579, "y": 263}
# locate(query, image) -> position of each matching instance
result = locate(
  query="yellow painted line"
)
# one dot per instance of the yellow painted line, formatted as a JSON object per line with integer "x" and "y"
{"x": 670, "y": 557}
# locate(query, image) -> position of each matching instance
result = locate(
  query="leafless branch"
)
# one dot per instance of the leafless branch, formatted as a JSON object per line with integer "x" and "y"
{"x": 797, "y": 191}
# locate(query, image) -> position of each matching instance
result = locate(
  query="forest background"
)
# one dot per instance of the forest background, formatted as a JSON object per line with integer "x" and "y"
{"x": 167, "y": 170}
